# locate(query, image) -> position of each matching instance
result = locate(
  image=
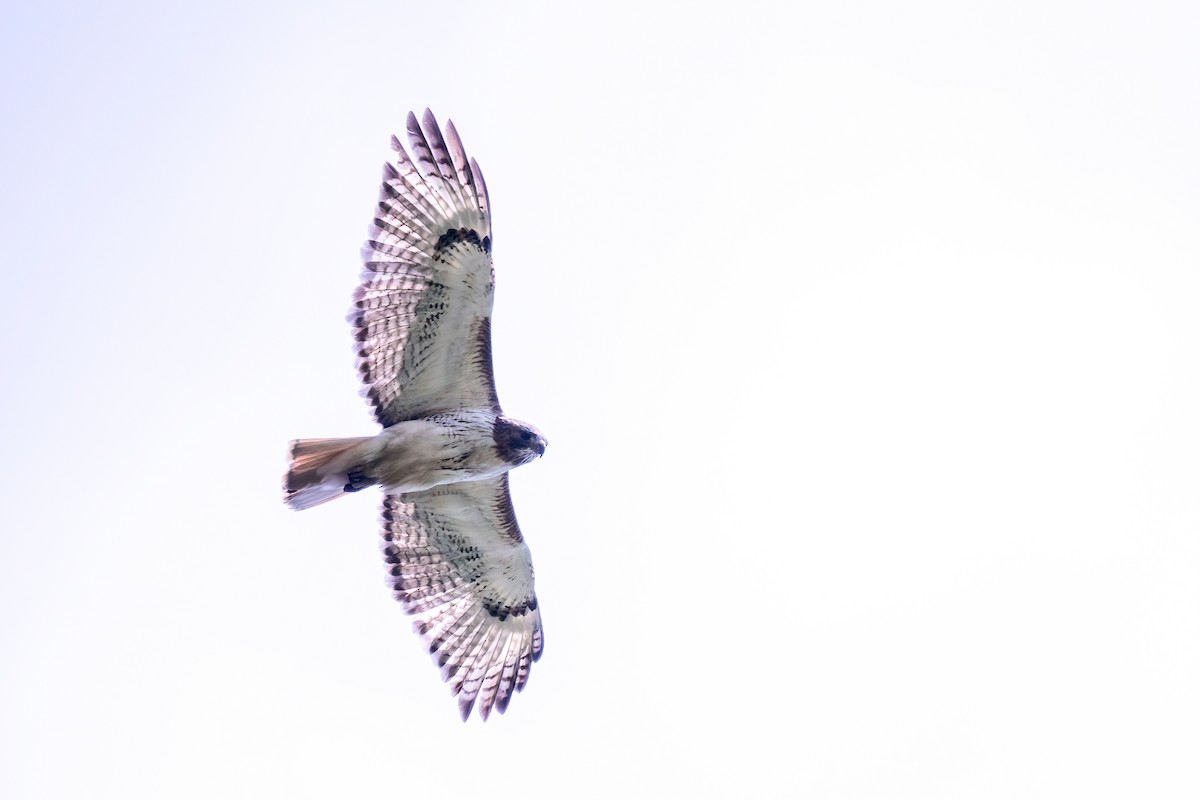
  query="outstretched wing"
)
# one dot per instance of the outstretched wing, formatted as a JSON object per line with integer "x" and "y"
{"x": 458, "y": 563}
{"x": 422, "y": 313}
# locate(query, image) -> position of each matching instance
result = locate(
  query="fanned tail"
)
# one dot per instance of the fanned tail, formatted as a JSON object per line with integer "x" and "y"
{"x": 318, "y": 470}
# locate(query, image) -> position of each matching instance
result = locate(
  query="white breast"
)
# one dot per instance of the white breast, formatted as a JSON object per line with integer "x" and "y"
{"x": 418, "y": 454}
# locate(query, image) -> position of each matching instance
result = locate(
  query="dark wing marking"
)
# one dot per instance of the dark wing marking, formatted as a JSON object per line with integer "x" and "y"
{"x": 422, "y": 313}
{"x": 458, "y": 563}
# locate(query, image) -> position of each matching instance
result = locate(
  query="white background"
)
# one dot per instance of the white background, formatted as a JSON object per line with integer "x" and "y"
{"x": 865, "y": 336}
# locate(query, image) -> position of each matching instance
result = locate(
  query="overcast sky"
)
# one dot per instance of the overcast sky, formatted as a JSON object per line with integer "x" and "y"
{"x": 866, "y": 337}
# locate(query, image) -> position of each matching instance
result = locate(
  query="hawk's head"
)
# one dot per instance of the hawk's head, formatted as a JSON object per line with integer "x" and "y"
{"x": 517, "y": 442}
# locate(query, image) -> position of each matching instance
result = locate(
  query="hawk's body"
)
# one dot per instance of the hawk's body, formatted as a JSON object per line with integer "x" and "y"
{"x": 422, "y": 321}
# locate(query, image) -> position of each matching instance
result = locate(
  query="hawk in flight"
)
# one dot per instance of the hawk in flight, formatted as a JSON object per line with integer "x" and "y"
{"x": 422, "y": 329}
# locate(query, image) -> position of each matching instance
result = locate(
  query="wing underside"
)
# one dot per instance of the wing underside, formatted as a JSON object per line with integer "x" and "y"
{"x": 458, "y": 563}
{"x": 422, "y": 312}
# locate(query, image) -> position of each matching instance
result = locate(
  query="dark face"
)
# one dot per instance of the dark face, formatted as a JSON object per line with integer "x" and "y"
{"x": 517, "y": 442}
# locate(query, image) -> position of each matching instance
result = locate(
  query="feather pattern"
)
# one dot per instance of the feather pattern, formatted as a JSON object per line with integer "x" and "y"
{"x": 458, "y": 563}
{"x": 422, "y": 311}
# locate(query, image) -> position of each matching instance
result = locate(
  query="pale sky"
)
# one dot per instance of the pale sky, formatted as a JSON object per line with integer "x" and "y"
{"x": 866, "y": 337}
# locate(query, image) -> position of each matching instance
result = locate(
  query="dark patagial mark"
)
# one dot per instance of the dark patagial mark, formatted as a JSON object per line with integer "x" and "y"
{"x": 483, "y": 359}
{"x": 504, "y": 511}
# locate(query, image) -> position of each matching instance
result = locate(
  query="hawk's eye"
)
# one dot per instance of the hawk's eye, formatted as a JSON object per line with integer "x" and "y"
{"x": 526, "y": 436}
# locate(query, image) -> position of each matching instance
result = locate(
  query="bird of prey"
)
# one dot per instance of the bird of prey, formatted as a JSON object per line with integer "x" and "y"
{"x": 456, "y": 559}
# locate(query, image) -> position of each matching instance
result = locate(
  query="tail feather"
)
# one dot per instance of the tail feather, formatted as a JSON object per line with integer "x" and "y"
{"x": 317, "y": 470}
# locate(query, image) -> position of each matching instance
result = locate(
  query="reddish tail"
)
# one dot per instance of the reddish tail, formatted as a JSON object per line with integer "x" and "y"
{"x": 317, "y": 470}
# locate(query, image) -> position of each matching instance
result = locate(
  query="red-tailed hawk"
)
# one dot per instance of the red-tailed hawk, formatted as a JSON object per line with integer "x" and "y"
{"x": 422, "y": 326}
